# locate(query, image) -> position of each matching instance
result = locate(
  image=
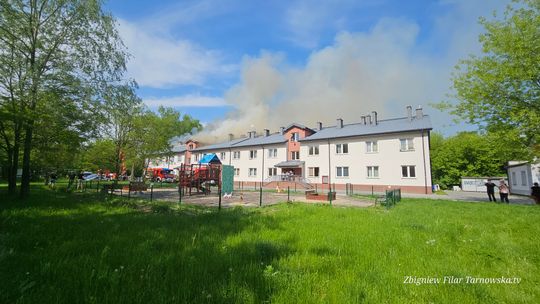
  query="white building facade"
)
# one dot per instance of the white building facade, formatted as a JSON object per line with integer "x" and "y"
{"x": 522, "y": 176}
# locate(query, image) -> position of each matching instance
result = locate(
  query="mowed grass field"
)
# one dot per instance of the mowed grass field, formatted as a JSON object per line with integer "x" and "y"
{"x": 79, "y": 248}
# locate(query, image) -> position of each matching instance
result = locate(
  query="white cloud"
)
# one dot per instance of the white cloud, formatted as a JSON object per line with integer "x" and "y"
{"x": 160, "y": 61}
{"x": 186, "y": 101}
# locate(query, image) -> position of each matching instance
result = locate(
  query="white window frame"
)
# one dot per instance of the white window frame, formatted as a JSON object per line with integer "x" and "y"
{"x": 252, "y": 154}
{"x": 252, "y": 172}
{"x": 313, "y": 150}
{"x": 295, "y": 136}
{"x": 523, "y": 178}
{"x": 340, "y": 148}
{"x": 372, "y": 146}
{"x": 222, "y": 155}
{"x": 295, "y": 155}
{"x": 514, "y": 180}
{"x": 408, "y": 171}
{"x": 314, "y": 172}
{"x": 373, "y": 172}
{"x": 236, "y": 154}
{"x": 272, "y": 153}
{"x": 236, "y": 171}
{"x": 406, "y": 144}
{"x": 272, "y": 171}
{"x": 341, "y": 170}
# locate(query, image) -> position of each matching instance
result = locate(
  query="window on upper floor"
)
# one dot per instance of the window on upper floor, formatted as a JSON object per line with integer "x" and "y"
{"x": 295, "y": 155}
{"x": 252, "y": 154}
{"x": 406, "y": 144}
{"x": 236, "y": 154}
{"x": 222, "y": 155}
{"x": 313, "y": 150}
{"x": 295, "y": 136}
{"x": 272, "y": 153}
{"x": 372, "y": 147}
{"x": 342, "y": 148}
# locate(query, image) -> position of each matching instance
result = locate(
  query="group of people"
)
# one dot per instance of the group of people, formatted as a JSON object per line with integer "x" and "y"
{"x": 504, "y": 190}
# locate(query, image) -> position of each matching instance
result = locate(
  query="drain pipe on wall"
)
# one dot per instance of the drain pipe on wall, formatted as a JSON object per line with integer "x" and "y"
{"x": 329, "y": 169}
{"x": 262, "y": 169}
{"x": 424, "y": 161}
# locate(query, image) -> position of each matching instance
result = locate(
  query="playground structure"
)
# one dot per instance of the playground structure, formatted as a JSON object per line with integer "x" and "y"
{"x": 199, "y": 176}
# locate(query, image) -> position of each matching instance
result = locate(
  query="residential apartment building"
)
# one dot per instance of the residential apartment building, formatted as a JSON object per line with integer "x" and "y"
{"x": 371, "y": 154}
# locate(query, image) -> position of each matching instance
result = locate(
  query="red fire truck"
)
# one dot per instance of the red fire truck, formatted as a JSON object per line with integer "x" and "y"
{"x": 161, "y": 175}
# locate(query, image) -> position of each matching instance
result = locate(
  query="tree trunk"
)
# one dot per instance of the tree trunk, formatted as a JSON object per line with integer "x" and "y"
{"x": 27, "y": 149}
{"x": 14, "y": 163}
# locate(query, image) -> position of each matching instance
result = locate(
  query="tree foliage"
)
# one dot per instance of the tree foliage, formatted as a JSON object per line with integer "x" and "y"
{"x": 500, "y": 89}
{"x": 472, "y": 154}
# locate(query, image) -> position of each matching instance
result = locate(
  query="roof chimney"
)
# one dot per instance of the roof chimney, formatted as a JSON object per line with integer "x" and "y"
{"x": 340, "y": 123}
{"x": 368, "y": 118}
{"x": 409, "y": 113}
{"x": 419, "y": 113}
{"x": 266, "y": 132}
{"x": 253, "y": 134}
{"x": 363, "y": 120}
{"x": 282, "y": 130}
{"x": 319, "y": 125}
{"x": 375, "y": 117}
{"x": 231, "y": 136}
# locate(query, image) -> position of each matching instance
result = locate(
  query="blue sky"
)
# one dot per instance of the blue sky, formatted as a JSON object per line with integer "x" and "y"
{"x": 239, "y": 65}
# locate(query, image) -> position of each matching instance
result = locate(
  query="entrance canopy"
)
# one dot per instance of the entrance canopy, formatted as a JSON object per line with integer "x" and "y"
{"x": 290, "y": 164}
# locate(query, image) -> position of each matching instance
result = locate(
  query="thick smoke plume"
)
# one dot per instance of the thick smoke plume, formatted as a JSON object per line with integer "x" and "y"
{"x": 359, "y": 73}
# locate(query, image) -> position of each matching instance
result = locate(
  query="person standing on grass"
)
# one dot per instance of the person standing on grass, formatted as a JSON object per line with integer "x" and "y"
{"x": 52, "y": 181}
{"x": 71, "y": 179}
{"x": 80, "y": 179}
{"x": 490, "y": 186}
{"x": 503, "y": 191}
{"x": 535, "y": 193}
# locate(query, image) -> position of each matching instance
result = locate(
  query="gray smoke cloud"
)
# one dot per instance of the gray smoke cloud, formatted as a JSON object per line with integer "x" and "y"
{"x": 384, "y": 70}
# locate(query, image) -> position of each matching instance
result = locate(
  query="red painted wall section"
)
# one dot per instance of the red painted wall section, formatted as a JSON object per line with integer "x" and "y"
{"x": 190, "y": 145}
{"x": 294, "y": 146}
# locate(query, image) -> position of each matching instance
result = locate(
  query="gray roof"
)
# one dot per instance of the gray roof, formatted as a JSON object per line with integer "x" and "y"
{"x": 178, "y": 148}
{"x": 222, "y": 145}
{"x": 383, "y": 126}
{"x": 275, "y": 138}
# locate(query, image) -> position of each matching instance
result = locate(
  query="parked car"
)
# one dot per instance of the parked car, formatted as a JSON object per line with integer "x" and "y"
{"x": 89, "y": 176}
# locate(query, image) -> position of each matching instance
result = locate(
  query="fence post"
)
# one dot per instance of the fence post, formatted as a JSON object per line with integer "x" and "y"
{"x": 179, "y": 194}
{"x": 129, "y": 191}
{"x": 288, "y": 194}
{"x": 371, "y": 190}
{"x": 151, "y": 192}
{"x": 260, "y": 197}
{"x": 219, "y": 201}
{"x": 97, "y": 188}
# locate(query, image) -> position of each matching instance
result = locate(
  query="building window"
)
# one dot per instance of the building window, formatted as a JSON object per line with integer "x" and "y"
{"x": 222, "y": 155}
{"x": 313, "y": 171}
{"x": 406, "y": 144}
{"x": 295, "y": 136}
{"x": 191, "y": 147}
{"x": 252, "y": 154}
{"x": 514, "y": 181}
{"x": 196, "y": 157}
{"x": 252, "y": 172}
{"x": 408, "y": 171}
{"x": 313, "y": 150}
{"x": 372, "y": 147}
{"x": 295, "y": 155}
{"x": 342, "y": 171}
{"x": 237, "y": 171}
{"x": 342, "y": 148}
{"x": 272, "y": 171}
{"x": 272, "y": 153}
{"x": 373, "y": 171}
{"x": 236, "y": 154}
{"x": 523, "y": 178}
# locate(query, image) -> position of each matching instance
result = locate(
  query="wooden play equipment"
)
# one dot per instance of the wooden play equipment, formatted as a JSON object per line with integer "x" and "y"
{"x": 200, "y": 177}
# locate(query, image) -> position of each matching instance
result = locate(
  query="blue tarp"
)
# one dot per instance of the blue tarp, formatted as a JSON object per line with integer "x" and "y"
{"x": 211, "y": 158}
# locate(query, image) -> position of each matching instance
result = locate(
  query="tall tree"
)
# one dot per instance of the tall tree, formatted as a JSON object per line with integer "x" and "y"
{"x": 500, "y": 89}
{"x": 70, "y": 46}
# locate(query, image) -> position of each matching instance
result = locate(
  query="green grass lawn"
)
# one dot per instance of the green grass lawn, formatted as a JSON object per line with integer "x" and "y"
{"x": 75, "y": 248}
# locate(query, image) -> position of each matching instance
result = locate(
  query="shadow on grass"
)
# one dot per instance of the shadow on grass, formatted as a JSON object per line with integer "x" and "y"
{"x": 109, "y": 254}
